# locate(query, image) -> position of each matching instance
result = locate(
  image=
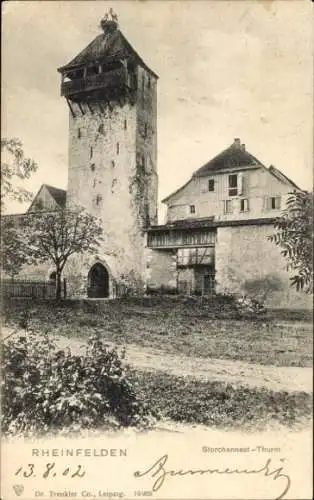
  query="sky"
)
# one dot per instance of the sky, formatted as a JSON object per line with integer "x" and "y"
{"x": 226, "y": 69}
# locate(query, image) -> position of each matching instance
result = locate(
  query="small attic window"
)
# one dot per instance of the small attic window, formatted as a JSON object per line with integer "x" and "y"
{"x": 211, "y": 185}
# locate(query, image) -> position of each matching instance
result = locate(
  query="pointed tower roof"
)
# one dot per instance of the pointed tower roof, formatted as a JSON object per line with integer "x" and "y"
{"x": 110, "y": 45}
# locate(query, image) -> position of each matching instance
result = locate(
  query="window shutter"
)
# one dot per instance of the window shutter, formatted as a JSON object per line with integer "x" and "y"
{"x": 240, "y": 184}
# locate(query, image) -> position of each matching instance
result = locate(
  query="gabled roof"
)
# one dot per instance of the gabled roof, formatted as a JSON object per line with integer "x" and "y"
{"x": 235, "y": 157}
{"x": 232, "y": 157}
{"x": 59, "y": 196}
{"x": 281, "y": 176}
{"x": 107, "y": 46}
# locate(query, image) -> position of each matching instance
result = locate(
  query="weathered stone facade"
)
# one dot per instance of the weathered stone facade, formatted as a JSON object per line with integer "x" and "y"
{"x": 247, "y": 263}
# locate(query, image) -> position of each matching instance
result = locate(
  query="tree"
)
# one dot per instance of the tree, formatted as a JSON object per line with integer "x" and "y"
{"x": 56, "y": 236}
{"x": 13, "y": 247}
{"x": 15, "y": 167}
{"x": 294, "y": 234}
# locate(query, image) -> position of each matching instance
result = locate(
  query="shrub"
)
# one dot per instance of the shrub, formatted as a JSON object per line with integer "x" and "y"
{"x": 45, "y": 389}
{"x": 249, "y": 307}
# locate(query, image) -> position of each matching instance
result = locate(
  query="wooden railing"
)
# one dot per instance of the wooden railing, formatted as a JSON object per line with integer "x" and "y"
{"x": 111, "y": 79}
{"x": 29, "y": 289}
{"x": 180, "y": 238}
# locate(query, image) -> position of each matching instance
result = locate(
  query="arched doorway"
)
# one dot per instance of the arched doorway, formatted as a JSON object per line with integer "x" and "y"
{"x": 53, "y": 277}
{"x": 98, "y": 282}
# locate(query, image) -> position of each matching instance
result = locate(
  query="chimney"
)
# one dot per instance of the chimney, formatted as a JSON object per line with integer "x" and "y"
{"x": 237, "y": 143}
{"x": 243, "y": 147}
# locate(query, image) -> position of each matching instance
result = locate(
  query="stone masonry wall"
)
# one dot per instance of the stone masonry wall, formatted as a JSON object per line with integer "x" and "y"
{"x": 102, "y": 166}
{"x": 247, "y": 263}
{"x": 161, "y": 269}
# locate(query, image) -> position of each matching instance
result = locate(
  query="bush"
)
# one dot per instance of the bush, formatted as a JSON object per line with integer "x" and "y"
{"x": 45, "y": 389}
{"x": 249, "y": 307}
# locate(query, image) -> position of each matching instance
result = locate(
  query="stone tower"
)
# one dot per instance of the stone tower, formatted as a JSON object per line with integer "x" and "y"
{"x": 112, "y": 98}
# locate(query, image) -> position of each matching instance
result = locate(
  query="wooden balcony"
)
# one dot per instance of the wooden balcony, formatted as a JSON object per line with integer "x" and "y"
{"x": 110, "y": 80}
{"x": 180, "y": 238}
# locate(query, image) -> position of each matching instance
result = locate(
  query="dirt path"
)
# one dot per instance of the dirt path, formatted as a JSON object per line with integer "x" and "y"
{"x": 276, "y": 378}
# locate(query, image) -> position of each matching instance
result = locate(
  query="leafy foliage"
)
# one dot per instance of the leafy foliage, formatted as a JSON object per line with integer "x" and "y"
{"x": 14, "y": 252}
{"x": 45, "y": 389}
{"x": 56, "y": 236}
{"x": 294, "y": 234}
{"x": 222, "y": 405}
{"x": 14, "y": 168}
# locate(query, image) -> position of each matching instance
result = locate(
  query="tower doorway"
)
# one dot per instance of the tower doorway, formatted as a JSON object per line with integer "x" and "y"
{"x": 98, "y": 282}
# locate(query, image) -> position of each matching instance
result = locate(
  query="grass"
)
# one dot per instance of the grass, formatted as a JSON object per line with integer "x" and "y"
{"x": 175, "y": 325}
{"x": 220, "y": 405}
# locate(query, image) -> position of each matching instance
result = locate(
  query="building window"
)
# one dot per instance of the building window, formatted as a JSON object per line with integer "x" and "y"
{"x": 192, "y": 209}
{"x": 145, "y": 130}
{"x": 125, "y": 124}
{"x": 118, "y": 148}
{"x": 78, "y": 133}
{"x": 113, "y": 163}
{"x": 228, "y": 206}
{"x": 274, "y": 203}
{"x": 98, "y": 199}
{"x": 233, "y": 185}
{"x": 244, "y": 205}
{"x": 211, "y": 185}
{"x": 92, "y": 167}
{"x": 149, "y": 82}
{"x": 91, "y": 152}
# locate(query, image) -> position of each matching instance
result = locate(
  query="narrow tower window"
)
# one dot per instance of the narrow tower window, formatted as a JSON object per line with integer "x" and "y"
{"x": 145, "y": 130}
{"x": 91, "y": 152}
{"x": 143, "y": 162}
{"x": 125, "y": 124}
{"x": 143, "y": 88}
{"x": 78, "y": 133}
{"x": 118, "y": 148}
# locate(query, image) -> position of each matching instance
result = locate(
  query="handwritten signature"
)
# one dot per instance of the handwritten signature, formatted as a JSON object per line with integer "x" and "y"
{"x": 159, "y": 473}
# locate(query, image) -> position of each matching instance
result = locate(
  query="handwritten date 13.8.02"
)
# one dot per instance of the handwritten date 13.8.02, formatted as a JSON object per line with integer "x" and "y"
{"x": 49, "y": 471}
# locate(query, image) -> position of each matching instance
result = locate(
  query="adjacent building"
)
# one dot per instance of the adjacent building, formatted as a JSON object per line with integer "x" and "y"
{"x": 216, "y": 234}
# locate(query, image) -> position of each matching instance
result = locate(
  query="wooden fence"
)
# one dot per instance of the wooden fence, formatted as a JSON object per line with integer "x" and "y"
{"x": 29, "y": 289}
